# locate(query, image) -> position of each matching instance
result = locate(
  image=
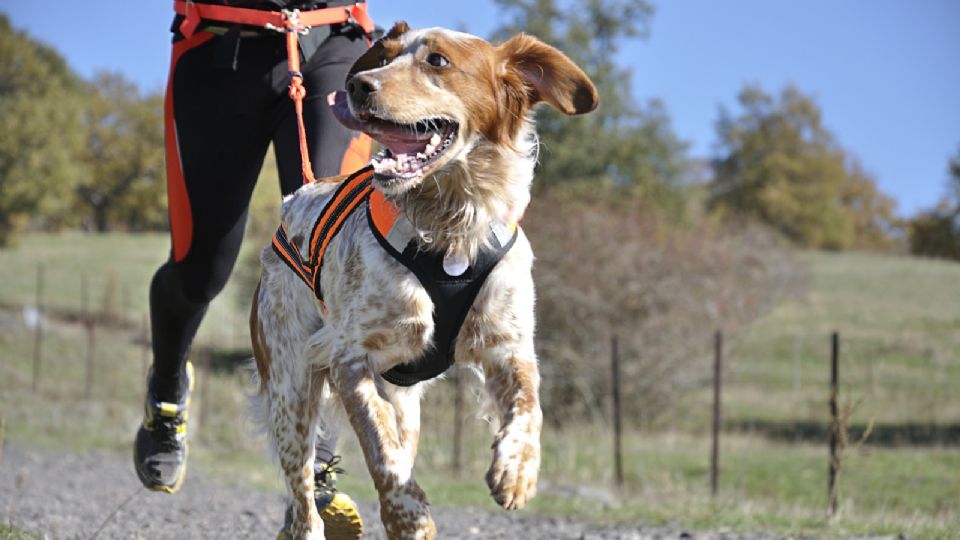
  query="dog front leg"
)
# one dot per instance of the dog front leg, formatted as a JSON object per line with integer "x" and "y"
{"x": 404, "y": 508}
{"x": 406, "y": 403}
{"x": 513, "y": 384}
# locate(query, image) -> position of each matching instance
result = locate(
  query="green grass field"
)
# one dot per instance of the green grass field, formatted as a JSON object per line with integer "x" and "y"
{"x": 899, "y": 320}
{"x": 8, "y": 532}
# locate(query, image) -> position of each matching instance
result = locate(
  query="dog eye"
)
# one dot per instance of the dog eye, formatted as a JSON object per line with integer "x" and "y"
{"x": 437, "y": 60}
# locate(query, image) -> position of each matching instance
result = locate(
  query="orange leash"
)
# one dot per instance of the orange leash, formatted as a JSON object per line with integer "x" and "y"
{"x": 297, "y": 91}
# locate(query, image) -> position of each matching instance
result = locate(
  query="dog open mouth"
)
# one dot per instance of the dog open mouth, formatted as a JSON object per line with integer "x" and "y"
{"x": 409, "y": 150}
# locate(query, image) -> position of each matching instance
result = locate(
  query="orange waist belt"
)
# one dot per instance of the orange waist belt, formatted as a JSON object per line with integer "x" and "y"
{"x": 290, "y": 22}
{"x": 282, "y": 21}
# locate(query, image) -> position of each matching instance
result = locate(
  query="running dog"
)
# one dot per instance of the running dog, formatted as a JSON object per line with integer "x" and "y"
{"x": 414, "y": 262}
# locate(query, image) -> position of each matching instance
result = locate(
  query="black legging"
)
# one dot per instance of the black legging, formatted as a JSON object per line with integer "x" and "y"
{"x": 220, "y": 122}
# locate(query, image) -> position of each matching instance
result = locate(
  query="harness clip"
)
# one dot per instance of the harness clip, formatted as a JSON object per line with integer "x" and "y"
{"x": 351, "y": 19}
{"x": 191, "y": 20}
{"x": 292, "y": 16}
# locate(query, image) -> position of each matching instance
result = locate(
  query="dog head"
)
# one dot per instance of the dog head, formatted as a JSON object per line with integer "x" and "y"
{"x": 436, "y": 99}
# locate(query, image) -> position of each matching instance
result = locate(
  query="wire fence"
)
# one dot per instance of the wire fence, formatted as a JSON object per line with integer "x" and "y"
{"x": 887, "y": 395}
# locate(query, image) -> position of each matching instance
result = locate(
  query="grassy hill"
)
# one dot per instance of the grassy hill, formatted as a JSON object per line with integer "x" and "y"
{"x": 899, "y": 325}
{"x": 898, "y": 317}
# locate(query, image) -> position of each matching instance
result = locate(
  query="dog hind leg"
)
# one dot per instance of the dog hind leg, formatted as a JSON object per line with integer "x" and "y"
{"x": 287, "y": 404}
{"x": 293, "y": 402}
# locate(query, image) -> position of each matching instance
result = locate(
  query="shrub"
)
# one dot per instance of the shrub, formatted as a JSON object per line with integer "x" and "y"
{"x": 605, "y": 269}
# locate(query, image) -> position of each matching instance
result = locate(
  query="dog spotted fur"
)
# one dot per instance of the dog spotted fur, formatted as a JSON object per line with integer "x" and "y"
{"x": 319, "y": 367}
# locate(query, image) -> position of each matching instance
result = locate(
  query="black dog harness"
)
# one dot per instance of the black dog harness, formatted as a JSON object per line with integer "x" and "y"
{"x": 452, "y": 287}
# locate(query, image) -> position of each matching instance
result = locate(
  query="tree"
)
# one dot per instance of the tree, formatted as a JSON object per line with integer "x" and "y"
{"x": 122, "y": 158}
{"x": 871, "y": 213}
{"x": 778, "y": 164}
{"x": 953, "y": 182}
{"x": 621, "y": 145}
{"x": 40, "y": 102}
{"x": 936, "y": 232}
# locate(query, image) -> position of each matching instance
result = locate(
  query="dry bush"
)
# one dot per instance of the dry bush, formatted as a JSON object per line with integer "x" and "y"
{"x": 605, "y": 269}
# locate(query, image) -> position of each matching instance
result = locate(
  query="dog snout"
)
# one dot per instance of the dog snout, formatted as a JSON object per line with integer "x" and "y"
{"x": 362, "y": 87}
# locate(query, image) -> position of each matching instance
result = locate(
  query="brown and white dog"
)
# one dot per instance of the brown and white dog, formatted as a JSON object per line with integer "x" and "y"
{"x": 454, "y": 115}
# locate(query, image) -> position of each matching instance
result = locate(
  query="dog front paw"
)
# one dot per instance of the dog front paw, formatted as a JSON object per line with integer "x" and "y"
{"x": 405, "y": 513}
{"x": 512, "y": 477}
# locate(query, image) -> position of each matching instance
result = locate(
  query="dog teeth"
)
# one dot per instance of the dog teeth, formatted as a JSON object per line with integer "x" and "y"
{"x": 435, "y": 140}
{"x": 403, "y": 165}
{"x": 384, "y": 165}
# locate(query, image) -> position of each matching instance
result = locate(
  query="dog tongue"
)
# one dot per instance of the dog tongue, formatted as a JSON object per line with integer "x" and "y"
{"x": 398, "y": 139}
{"x": 341, "y": 111}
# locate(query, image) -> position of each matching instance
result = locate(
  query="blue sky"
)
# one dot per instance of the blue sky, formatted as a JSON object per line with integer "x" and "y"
{"x": 886, "y": 73}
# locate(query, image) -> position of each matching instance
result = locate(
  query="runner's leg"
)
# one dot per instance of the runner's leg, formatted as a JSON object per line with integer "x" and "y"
{"x": 218, "y": 133}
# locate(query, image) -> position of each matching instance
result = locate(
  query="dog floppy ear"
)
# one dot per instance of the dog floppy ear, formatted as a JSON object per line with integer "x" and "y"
{"x": 383, "y": 50}
{"x": 549, "y": 75}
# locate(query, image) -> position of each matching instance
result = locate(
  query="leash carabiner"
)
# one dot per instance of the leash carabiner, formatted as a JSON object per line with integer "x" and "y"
{"x": 291, "y": 23}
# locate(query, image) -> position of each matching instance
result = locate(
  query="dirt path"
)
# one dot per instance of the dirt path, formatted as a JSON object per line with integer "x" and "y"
{"x": 70, "y": 496}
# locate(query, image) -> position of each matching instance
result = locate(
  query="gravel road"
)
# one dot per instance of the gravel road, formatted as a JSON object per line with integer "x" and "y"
{"x": 70, "y": 496}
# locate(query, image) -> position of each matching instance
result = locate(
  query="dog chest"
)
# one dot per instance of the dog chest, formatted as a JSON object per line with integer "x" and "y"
{"x": 451, "y": 283}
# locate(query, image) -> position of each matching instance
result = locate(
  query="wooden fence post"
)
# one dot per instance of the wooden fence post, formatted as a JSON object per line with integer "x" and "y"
{"x": 797, "y": 364}
{"x": 617, "y": 416}
{"x": 38, "y": 334}
{"x": 458, "y": 421}
{"x": 88, "y": 323}
{"x": 715, "y": 443}
{"x": 125, "y": 305}
{"x": 834, "y": 425}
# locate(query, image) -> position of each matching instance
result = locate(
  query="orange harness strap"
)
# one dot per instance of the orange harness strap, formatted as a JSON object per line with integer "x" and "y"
{"x": 348, "y": 196}
{"x": 293, "y": 23}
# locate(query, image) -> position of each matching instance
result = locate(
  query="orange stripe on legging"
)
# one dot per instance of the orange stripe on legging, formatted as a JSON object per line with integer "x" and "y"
{"x": 178, "y": 200}
{"x": 357, "y": 155}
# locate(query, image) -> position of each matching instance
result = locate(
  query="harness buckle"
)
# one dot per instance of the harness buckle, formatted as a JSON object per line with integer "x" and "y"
{"x": 292, "y": 17}
{"x": 351, "y": 19}
{"x": 191, "y": 20}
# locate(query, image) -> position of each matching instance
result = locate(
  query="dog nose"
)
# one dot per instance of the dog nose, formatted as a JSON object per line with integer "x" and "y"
{"x": 360, "y": 87}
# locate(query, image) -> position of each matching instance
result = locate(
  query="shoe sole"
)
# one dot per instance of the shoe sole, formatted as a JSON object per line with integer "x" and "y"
{"x": 163, "y": 488}
{"x": 175, "y": 487}
{"x": 341, "y": 520}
